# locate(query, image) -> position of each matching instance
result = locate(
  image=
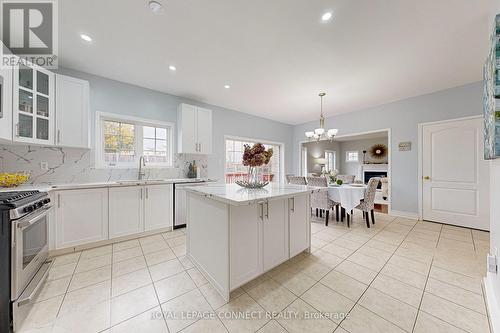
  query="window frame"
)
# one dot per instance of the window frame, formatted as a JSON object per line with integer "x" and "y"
{"x": 265, "y": 142}
{"x": 347, "y": 156}
{"x": 138, "y": 143}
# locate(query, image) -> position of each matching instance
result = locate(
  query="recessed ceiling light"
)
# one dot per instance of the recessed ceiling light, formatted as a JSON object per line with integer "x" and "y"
{"x": 86, "y": 37}
{"x": 155, "y": 6}
{"x": 227, "y": 86}
{"x": 326, "y": 16}
{"x": 172, "y": 68}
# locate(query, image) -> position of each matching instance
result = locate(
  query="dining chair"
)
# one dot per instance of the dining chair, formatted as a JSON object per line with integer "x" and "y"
{"x": 368, "y": 203}
{"x": 320, "y": 200}
{"x": 297, "y": 180}
{"x": 346, "y": 179}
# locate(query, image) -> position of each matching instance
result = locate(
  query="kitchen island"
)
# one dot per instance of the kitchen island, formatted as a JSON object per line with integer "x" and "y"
{"x": 235, "y": 235}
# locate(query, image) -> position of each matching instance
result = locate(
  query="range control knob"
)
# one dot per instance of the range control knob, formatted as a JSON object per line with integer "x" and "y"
{"x": 46, "y": 201}
{"x": 29, "y": 209}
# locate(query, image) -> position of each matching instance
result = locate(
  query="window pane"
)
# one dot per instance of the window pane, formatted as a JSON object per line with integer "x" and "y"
{"x": 119, "y": 142}
{"x": 161, "y": 146}
{"x": 149, "y": 145}
{"x": 161, "y": 133}
{"x": 149, "y": 132}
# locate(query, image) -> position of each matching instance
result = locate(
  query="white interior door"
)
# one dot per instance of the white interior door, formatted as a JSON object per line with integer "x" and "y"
{"x": 455, "y": 185}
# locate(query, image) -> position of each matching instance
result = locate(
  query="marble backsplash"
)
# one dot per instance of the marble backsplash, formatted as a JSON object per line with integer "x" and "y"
{"x": 70, "y": 165}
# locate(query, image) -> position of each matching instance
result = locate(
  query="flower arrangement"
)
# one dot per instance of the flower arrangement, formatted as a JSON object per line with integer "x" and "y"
{"x": 257, "y": 155}
{"x": 254, "y": 157}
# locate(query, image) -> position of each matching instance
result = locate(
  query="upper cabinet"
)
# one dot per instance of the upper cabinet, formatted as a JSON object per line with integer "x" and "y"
{"x": 5, "y": 104}
{"x": 33, "y": 105}
{"x": 72, "y": 112}
{"x": 195, "y": 130}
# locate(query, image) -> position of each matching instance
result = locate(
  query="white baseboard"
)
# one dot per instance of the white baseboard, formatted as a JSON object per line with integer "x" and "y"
{"x": 400, "y": 213}
{"x": 492, "y": 304}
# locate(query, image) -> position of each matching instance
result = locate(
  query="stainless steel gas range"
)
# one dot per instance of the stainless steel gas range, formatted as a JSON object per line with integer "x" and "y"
{"x": 23, "y": 251}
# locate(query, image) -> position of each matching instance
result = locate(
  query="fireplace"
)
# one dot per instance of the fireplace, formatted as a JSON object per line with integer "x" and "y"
{"x": 374, "y": 173}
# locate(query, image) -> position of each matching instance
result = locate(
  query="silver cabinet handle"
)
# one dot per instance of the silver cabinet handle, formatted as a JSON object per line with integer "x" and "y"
{"x": 267, "y": 210}
{"x": 58, "y": 201}
{"x": 261, "y": 211}
{"x": 200, "y": 147}
{"x": 17, "y": 130}
{"x": 293, "y": 204}
{"x": 58, "y": 136}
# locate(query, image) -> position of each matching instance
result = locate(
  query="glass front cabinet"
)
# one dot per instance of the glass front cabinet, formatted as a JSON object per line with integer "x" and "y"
{"x": 33, "y": 104}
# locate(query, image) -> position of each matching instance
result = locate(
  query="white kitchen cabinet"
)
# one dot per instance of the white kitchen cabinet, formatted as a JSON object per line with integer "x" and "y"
{"x": 33, "y": 105}
{"x": 81, "y": 217}
{"x": 259, "y": 239}
{"x": 245, "y": 243}
{"x": 299, "y": 224}
{"x": 158, "y": 207}
{"x": 126, "y": 215}
{"x": 72, "y": 112}
{"x": 195, "y": 130}
{"x": 275, "y": 233}
{"x": 5, "y": 104}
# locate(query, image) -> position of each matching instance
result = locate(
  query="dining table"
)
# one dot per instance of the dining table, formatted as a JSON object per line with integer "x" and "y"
{"x": 347, "y": 195}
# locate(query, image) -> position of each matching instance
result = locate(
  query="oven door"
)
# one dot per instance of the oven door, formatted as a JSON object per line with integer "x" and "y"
{"x": 29, "y": 248}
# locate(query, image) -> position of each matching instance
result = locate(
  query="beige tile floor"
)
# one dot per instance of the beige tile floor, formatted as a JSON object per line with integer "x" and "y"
{"x": 399, "y": 276}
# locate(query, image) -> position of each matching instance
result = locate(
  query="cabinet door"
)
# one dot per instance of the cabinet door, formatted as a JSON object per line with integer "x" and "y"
{"x": 126, "y": 211}
{"x": 245, "y": 243}
{"x": 6, "y": 104}
{"x": 72, "y": 112}
{"x": 33, "y": 105}
{"x": 81, "y": 217}
{"x": 158, "y": 207}
{"x": 204, "y": 131}
{"x": 275, "y": 233}
{"x": 299, "y": 224}
{"x": 187, "y": 129}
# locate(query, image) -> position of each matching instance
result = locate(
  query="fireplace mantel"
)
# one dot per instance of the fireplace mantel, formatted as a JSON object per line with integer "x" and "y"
{"x": 371, "y": 167}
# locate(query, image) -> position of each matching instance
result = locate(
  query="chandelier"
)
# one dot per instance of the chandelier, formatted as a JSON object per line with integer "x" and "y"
{"x": 320, "y": 133}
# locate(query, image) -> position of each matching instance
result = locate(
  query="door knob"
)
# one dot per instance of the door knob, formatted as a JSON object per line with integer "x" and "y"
{"x": 427, "y": 178}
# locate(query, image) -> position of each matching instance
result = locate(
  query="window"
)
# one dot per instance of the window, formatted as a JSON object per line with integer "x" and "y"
{"x": 351, "y": 156}
{"x": 331, "y": 160}
{"x": 234, "y": 168}
{"x": 155, "y": 144}
{"x": 123, "y": 140}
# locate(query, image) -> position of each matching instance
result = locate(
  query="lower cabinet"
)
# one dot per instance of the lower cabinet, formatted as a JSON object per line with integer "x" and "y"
{"x": 275, "y": 233}
{"x": 299, "y": 224}
{"x": 89, "y": 215}
{"x": 81, "y": 217}
{"x": 126, "y": 211}
{"x": 260, "y": 240}
{"x": 246, "y": 243}
{"x": 158, "y": 202}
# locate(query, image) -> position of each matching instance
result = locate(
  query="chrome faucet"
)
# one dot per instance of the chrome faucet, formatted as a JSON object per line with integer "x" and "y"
{"x": 142, "y": 162}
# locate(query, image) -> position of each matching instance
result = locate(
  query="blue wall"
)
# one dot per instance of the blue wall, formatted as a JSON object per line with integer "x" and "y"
{"x": 117, "y": 97}
{"x": 403, "y": 118}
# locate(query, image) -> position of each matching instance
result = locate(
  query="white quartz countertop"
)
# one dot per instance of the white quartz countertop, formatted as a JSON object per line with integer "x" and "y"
{"x": 118, "y": 183}
{"x": 236, "y": 195}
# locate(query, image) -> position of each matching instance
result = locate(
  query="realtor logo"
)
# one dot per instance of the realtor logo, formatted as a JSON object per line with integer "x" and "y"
{"x": 29, "y": 31}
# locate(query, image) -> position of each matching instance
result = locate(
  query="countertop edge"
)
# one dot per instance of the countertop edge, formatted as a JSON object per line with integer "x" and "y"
{"x": 251, "y": 201}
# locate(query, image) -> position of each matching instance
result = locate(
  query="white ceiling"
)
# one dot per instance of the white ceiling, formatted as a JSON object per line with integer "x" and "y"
{"x": 277, "y": 55}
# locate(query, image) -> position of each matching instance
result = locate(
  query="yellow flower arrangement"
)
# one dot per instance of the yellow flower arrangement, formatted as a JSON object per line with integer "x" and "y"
{"x": 13, "y": 179}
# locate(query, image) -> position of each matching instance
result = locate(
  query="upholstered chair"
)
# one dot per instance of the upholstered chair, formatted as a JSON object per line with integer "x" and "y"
{"x": 385, "y": 187}
{"x": 297, "y": 180}
{"x": 320, "y": 200}
{"x": 346, "y": 179}
{"x": 368, "y": 203}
